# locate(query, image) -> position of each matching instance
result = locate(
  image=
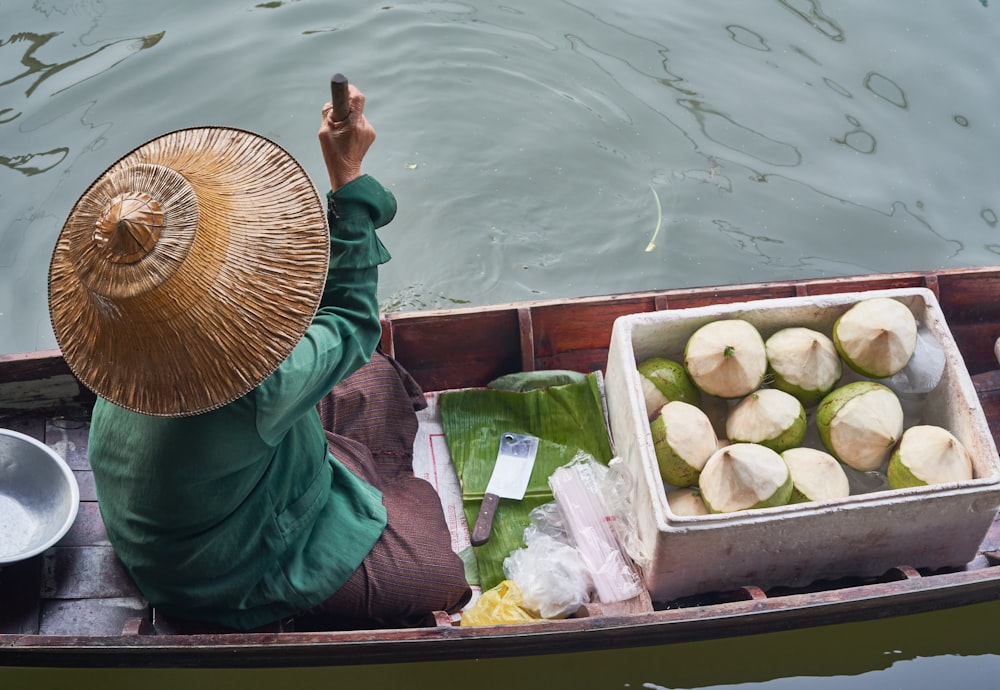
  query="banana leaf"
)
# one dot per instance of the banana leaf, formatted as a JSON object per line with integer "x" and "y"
{"x": 567, "y": 419}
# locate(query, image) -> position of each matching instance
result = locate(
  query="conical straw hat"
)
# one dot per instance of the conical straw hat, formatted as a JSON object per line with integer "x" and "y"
{"x": 188, "y": 271}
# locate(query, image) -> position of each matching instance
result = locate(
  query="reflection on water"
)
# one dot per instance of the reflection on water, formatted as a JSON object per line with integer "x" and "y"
{"x": 886, "y": 88}
{"x": 100, "y": 59}
{"x": 815, "y": 18}
{"x": 43, "y": 65}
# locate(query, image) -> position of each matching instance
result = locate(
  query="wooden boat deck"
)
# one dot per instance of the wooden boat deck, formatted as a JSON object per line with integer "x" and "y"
{"x": 75, "y": 605}
{"x": 79, "y": 588}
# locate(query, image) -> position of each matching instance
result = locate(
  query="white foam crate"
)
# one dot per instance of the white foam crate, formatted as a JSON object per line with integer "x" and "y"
{"x": 862, "y": 535}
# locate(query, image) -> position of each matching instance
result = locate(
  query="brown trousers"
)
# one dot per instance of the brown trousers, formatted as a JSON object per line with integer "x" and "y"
{"x": 411, "y": 571}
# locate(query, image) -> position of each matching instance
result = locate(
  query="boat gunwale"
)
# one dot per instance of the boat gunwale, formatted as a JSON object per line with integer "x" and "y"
{"x": 908, "y": 595}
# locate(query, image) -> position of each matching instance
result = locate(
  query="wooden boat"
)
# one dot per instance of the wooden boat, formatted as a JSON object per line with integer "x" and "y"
{"x": 74, "y": 605}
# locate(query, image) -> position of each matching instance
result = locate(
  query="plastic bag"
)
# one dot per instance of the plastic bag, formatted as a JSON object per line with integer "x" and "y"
{"x": 553, "y": 579}
{"x": 546, "y": 519}
{"x": 919, "y": 377}
{"x": 578, "y": 493}
{"x": 575, "y": 545}
{"x": 498, "y": 606}
{"x": 617, "y": 489}
{"x": 923, "y": 372}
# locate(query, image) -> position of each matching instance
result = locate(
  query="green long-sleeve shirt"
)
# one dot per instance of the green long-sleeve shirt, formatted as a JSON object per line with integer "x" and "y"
{"x": 241, "y": 516}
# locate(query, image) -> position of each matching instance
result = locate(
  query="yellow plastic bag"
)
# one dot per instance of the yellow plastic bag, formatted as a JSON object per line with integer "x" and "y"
{"x": 498, "y": 606}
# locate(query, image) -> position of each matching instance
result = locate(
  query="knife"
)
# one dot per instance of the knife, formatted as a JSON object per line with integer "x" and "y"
{"x": 511, "y": 472}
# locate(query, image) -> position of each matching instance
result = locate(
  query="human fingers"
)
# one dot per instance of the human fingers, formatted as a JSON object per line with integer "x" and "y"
{"x": 356, "y": 99}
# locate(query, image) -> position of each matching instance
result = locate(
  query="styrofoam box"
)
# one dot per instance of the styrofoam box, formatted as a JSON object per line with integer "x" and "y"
{"x": 862, "y": 535}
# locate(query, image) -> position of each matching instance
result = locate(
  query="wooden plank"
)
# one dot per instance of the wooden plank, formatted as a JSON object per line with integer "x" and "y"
{"x": 576, "y": 336}
{"x": 975, "y": 342}
{"x": 987, "y": 383}
{"x": 969, "y": 296}
{"x": 88, "y": 528}
{"x": 39, "y": 394}
{"x": 743, "y": 617}
{"x": 85, "y": 572}
{"x": 19, "y": 587}
{"x": 68, "y": 437}
{"x": 701, "y": 297}
{"x": 864, "y": 283}
{"x": 91, "y": 617}
{"x": 527, "y": 330}
{"x": 470, "y": 350}
{"x": 32, "y": 366}
{"x": 85, "y": 480}
{"x": 32, "y": 425}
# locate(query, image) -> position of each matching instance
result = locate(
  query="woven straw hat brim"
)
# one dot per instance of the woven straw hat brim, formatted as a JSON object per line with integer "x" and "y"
{"x": 189, "y": 271}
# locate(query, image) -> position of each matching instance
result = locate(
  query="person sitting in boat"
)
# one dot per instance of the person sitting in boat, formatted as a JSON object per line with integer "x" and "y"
{"x": 251, "y": 447}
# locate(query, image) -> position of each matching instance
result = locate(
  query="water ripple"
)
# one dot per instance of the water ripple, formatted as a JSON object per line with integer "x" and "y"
{"x": 886, "y": 89}
{"x": 809, "y": 11}
{"x": 35, "y": 163}
{"x": 725, "y": 131}
{"x": 102, "y": 59}
{"x": 784, "y": 139}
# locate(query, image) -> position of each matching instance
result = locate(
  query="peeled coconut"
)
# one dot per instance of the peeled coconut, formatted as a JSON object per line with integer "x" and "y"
{"x": 816, "y": 475}
{"x": 686, "y": 502}
{"x": 769, "y": 417}
{"x": 726, "y": 358}
{"x": 684, "y": 439}
{"x": 664, "y": 380}
{"x": 743, "y": 476}
{"x": 859, "y": 423}
{"x": 928, "y": 454}
{"x": 803, "y": 362}
{"x": 876, "y": 337}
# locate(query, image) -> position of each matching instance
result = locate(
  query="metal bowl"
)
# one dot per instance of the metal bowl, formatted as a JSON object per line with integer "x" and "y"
{"x": 39, "y": 497}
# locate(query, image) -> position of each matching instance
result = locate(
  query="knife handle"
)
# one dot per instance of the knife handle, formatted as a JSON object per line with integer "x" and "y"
{"x": 484, "y": 520}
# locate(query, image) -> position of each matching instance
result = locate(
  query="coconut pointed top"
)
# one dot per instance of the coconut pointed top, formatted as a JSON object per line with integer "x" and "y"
{"x": 743, "y": 476}
{"x": 726, "y": 358}
{"x": 876, "y": 337}
{"x": 929, "y": 454}
{"x": 816, "y": 475}
{"x": 805, "y": 363}
{"x": 859, "y": 423}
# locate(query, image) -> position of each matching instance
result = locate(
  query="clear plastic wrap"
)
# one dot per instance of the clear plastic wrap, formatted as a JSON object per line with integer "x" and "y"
{"x": 577, "y": 487}
{"x": 575, "y": 547}
{"x": 553, "y": 579}
{"x": 617, "y": 490}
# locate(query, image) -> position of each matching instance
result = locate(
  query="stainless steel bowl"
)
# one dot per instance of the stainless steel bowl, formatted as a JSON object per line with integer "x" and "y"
{"x": 39, "y": 497}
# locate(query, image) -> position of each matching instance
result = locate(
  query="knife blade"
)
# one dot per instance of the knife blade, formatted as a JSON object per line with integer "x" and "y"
{"x": 515, "y": 460}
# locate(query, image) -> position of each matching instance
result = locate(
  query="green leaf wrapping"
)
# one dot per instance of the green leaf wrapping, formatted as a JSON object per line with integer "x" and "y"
{"x": 567, "y": 419}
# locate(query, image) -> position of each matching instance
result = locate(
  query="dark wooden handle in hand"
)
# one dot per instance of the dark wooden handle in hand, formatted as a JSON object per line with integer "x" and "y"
{"x": 339, "y": 97}
{"x": 484, "y": 520}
